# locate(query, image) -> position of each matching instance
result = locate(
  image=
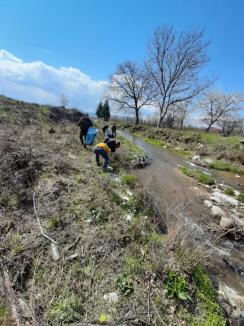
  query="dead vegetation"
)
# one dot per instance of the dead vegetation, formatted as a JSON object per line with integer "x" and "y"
{"x": 111, "y": 237}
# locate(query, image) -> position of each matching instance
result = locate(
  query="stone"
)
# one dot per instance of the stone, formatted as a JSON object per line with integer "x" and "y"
{"x": 207, "y": 161}
{"x": 226, "y": 222}
{"x": 217, "y": 211}
{"x": 208, "y": 203}
{"x": 196, "y": 158}
{"x": 224, "y": 199}
{"x": 111, "y": 297}
{"x": 237, "y": 193}
{"x": 238, "y": 176}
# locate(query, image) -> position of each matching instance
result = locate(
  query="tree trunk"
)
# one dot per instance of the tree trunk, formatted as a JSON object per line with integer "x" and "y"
{"x": 209, "y": 126}
{"x": 160, "y": 122}
{"x": 137, "y": 117}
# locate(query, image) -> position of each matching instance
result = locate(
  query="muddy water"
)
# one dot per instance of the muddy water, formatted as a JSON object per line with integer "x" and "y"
{"x": 169, "y": 186}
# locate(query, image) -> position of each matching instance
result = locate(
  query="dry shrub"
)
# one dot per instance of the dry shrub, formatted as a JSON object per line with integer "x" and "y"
{"x": 186, "y": 243}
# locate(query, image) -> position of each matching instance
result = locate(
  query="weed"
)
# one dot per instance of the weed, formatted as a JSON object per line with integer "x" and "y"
{"x": 211, "y": 312}
{"x": 66, "y": 309}
{"x": 200, "y": 176}
{"x": 53, "y": 222}
{"x": 15, "y": 244}
{"x": 176, "y": 286}
{"x": 3, "y": 311}
{"x": 129, "y": 180}
{"x": 241, "y": 197}
{"x": 229, "y": 191}
{"x": 226, "y": 166}
{"x": 124, "y": 284}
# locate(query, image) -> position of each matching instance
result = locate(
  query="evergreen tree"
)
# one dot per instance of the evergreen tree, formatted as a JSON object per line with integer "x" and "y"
{"x": 106, "y": 111}
{"x": 99, "y": 111}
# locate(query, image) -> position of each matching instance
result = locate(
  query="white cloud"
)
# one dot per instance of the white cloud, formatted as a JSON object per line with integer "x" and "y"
{"x": 41, "y": 83}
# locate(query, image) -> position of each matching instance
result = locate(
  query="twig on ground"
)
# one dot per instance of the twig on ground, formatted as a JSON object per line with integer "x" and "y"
{"x": 39, "y": 222}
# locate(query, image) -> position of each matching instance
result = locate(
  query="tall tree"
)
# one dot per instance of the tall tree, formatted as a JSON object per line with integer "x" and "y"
{"x": 99, "y": 111}
{"x": 106, "y": 111}
{"x": 217, "y": 105}
{"x": 174, "y": 63}
{"x": 130, "y": 88}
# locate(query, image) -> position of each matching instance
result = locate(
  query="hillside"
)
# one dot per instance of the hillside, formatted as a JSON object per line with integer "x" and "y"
{"x": 109, "y": 257}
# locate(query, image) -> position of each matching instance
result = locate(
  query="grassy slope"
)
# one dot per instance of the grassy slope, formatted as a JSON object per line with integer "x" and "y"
{"x": 226, "y": 150}
{"x": 101, "y": 249}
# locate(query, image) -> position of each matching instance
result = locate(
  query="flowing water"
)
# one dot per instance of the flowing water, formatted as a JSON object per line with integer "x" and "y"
{"x": 168, "y": 185}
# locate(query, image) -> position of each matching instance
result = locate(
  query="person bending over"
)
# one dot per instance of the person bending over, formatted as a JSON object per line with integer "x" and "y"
{"x": 103, "y": 149}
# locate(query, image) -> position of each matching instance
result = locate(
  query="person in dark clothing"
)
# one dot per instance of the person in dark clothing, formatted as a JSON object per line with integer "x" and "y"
{"x": 112, "y": 144}
{"x": 104, "y": 129}
{"x": 114, "y": 128}
{"x": 85, "y": 123}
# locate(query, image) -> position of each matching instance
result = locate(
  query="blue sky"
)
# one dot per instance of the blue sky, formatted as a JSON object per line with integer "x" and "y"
{"x": 95, "y": 35}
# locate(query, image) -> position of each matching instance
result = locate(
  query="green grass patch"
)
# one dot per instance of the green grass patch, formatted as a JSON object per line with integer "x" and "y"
{"x": 129, "y": 180}
{"x": 211, "y": 312}
{"x": 182, "y": 152}
{"x": 154, "y": 141}
{"x": 198, "y": 175}
{"x": 226, "y": 166}
{"x": 241, "y": 197}
{"x": 229, "y": 191}
{"x": 3, "y": 311}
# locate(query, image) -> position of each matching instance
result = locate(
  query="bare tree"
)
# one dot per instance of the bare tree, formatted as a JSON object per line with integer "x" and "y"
{"x": 218, "y": 106}
{"x": 130, "y": 88}
{"x": 63, "y": 100}
{"x": 229, "y": 123}
{"x": 174, "y": 63}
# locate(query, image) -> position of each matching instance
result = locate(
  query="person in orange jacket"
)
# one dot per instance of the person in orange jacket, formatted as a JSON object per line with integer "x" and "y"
{"x": 103, "y": 150}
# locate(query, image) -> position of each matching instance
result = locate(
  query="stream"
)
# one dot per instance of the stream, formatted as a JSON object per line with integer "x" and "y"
{"x": 173, "y": 189}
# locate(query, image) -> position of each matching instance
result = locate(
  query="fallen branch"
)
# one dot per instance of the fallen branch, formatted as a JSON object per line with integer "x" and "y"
{"x": 39, "y": 222}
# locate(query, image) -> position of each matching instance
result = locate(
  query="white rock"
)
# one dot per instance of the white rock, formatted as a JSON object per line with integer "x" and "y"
{"x": 224, "y": 199}
{"x": 192, "y": 164}
{"x": 208, "y": 160}
{"x": 237, "y": 193}
{"x": 208, "y": 203}
{"x": 111, "y": 297}
{"x": 72, "y": 156}
{"x": 233, "y": 297}
{"x": 226, "y": 222}
{"x": 217, "y": 211}
{"x": 196, "y": 158}
{"x": 128, "y": 217}
{"x": 238, "y": 176}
